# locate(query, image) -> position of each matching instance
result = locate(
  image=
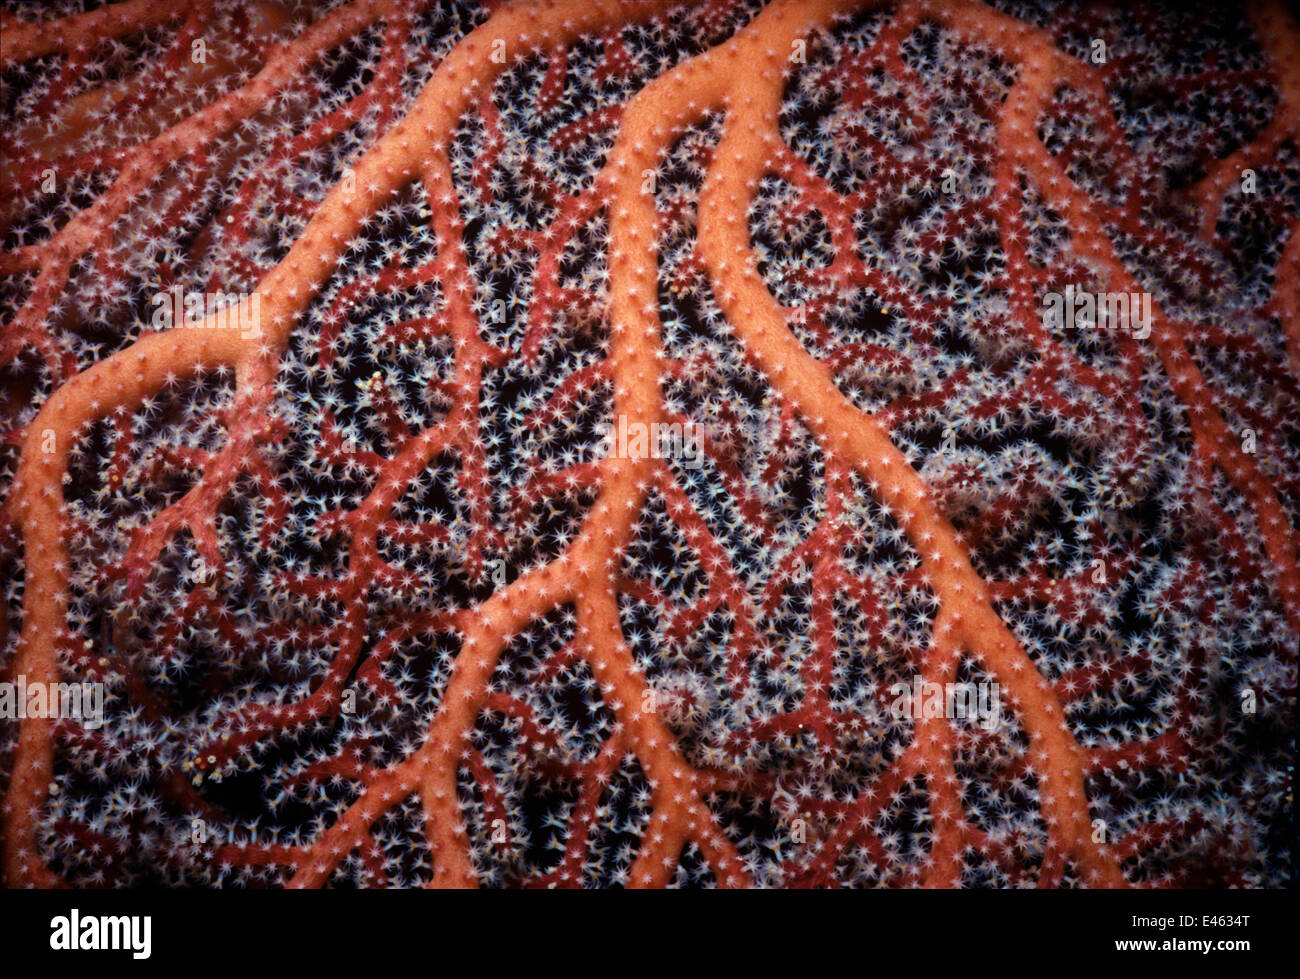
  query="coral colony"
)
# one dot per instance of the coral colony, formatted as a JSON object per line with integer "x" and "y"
{"x": 811, "y": 443}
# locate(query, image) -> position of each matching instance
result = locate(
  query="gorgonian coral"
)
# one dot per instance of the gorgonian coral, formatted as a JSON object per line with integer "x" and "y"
{"x": 336, "y": 343}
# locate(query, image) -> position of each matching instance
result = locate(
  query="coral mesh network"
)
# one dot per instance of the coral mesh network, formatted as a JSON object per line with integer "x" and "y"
{"x": 807, "y": 443}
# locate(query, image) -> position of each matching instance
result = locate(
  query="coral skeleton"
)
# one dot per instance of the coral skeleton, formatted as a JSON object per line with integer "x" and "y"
{"x": 337, "y": 338}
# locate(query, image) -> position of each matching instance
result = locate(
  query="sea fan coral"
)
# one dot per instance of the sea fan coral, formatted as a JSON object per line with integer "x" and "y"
{"x": 563, "y": 443}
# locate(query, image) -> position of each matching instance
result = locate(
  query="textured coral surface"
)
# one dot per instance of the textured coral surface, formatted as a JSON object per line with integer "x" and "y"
{"x": 374, "y": 597}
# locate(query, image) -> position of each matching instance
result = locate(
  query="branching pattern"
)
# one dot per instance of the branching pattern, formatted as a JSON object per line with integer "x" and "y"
{"x": 377, "y": 600}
